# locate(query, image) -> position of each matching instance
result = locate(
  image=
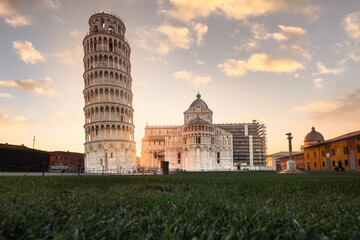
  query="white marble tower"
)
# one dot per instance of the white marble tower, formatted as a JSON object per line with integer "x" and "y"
{"x": 109, "y": 128}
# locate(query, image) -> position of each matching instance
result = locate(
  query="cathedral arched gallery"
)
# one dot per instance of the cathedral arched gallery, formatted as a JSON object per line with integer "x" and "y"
{"x": 201, "y": 145}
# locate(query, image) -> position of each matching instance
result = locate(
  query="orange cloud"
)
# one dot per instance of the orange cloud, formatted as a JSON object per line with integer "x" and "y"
{"x": 27, "y": 52}
{"x": 13, "y": 12}
{"x": 178, "y": 36}
{"x": 187, "y": 10}
{"x": 71, "y": 56}
{"x": 153, "y": 39}
{"x": 324, "y": 70}
{"x": 201, "y": 30}
{"x": 11, "y": 123}
{"x": 351, "y": 25}
{"x": 42, "y": 86}
{"x": 192, "y": 78}
{"x": 318, "y": 106}
{"x": 6, "y": 95}
{"x": 261, "y": 62}
{"x": 318, "y": 83}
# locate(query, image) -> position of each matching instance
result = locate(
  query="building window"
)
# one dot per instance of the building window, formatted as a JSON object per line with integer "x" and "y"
{"x": 218, "y": 157}
{"x": 179, "y": 158}
{"x": 111, "y": 155}
{"x": 359, "y": 162}
{"x": 314, "y": 164}
{"x": 323, "y": 164}
{"x": 332, "y": 152}
{"x": 333, "y": 162}
{"x": 314, "y": 154}
{"x": 198, "y": 140}
{"x": 345, "y": 150}
{"x": 358, "y": 148}
{"x": 346, "y": 162}
{"x": 307, "y": 155}
{"x": 323, "y": 153}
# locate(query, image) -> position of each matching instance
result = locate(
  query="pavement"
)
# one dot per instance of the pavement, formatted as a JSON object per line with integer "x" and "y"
{"x": 61, "y": 174}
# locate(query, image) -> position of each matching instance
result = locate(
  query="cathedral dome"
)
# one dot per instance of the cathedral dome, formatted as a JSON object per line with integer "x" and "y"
{"x": 198, "y": 100}
{"x": 313, "y": 137}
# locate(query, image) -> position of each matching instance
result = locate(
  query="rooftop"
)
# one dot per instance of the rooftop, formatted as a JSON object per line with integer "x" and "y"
{"x": 199, "y": 101}
{"x": 341, "y": 137}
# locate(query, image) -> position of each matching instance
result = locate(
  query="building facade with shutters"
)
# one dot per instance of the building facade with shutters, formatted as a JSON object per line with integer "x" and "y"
{"x": 340, "y": 153}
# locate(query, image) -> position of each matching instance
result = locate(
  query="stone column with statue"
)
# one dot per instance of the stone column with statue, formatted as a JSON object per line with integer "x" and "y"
{"x": 290, "y": 164}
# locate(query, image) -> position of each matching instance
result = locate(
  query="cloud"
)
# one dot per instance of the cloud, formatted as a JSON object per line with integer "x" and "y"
{"x": 62, "y": 115}
{"x": 201, "y": 30}
{"x": 345, "y": 110}
{"x": 297, "y": 50}
{"x": 160, "y": 60}
{"x": 57, "y": 19}
{"x": 77, "y": 34}
{"x": 6, "y": 95}
{"x": 51, "y": 4}
{"x": 318, "y": 106}
{"x": 15, "y": 13}
{"x": 27, "y": 52}
{"x": 351, "y": 25}
{"x": 259, "y": 31}
{"x": 71, "y": 56}
{"x": 351, "y": 50}
{"x": 42, "y": 86}
{"x": 166, "y": 37}
{"x": 188, "y": 10}
{"x": 152, "y": 39}
{"x": 261, "y": 62}
{"x": 324, "y": 70}
{"x": 11, "y": 15}
{"x": 8, "y": 122}
{"x": 247, "y": 46}
{"x": 318, "y": 83}
{"x": 290, "y": 37}
{"x": 178, "y": 36}
{"x": 192, "y": 78}
{"x": 199, "y": 62}
{"x": 289, "y": 33}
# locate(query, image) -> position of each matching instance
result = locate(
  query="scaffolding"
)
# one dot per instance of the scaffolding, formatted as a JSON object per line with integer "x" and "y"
{"x": 241, "y": 142}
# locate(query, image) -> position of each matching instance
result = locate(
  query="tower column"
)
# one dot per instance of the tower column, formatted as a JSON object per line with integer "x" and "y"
{"x": 98, "y": 142}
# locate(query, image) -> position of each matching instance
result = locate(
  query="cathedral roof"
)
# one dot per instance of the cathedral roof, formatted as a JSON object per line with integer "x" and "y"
{"x": 198, "y": 100}
{"x": 313, "y": 136}
{"x": 198, "y": 121}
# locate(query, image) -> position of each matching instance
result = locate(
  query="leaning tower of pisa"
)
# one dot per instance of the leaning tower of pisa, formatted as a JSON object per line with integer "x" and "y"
{"x": 109, "y": 127}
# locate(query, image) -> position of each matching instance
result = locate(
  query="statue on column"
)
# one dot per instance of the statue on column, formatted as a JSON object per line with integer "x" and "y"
{"x": 290, "y": 164}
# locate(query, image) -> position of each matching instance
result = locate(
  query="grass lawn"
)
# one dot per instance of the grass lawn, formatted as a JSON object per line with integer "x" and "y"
{"x": 262, "y": 205}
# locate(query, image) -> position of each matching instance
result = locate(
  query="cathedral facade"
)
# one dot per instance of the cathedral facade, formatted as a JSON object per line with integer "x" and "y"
{"x": 198, "y": 145}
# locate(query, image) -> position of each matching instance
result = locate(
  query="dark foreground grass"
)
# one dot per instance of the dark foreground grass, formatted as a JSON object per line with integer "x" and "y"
{"x": 183, "y": 206}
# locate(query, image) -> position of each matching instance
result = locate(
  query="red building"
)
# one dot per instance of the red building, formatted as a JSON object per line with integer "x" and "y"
{"x": 66, "y": 160}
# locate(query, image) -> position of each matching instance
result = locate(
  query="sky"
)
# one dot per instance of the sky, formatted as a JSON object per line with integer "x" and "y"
{"x": 289, "y": 64}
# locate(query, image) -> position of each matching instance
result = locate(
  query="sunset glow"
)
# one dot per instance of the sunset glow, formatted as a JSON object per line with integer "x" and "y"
{"x": 288, "y": 64}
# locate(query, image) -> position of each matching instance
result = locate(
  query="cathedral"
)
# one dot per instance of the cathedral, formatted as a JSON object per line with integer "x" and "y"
{"x": 198, "y": 145}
